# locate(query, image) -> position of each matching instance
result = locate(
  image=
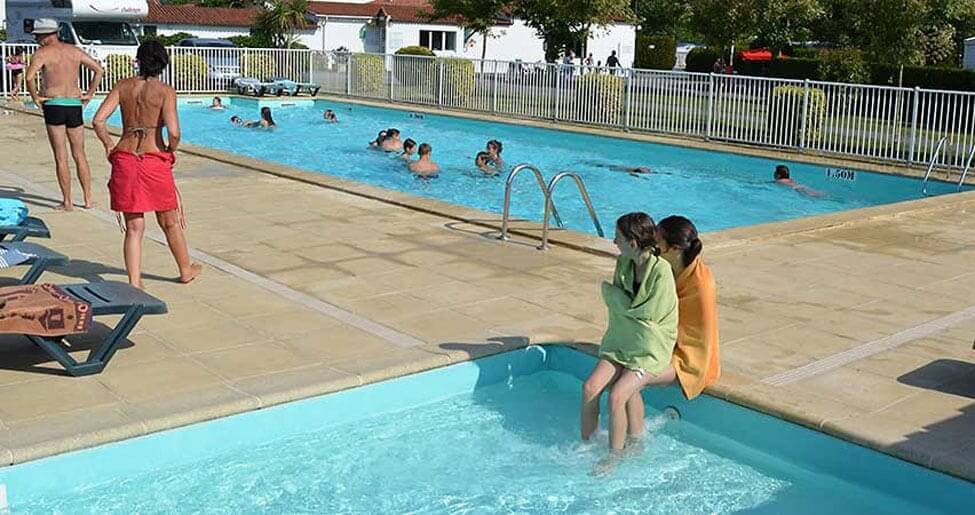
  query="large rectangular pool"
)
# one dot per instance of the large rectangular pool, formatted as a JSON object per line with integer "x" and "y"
{"x": 499, "y": 434}
{"x": 715, "y": 189}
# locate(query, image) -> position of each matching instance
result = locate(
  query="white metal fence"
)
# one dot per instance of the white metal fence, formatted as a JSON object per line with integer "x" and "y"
{"x": 890, "y": 124}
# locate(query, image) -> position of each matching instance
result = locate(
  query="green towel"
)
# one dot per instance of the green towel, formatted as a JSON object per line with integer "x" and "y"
{"x": 642, "y": 325}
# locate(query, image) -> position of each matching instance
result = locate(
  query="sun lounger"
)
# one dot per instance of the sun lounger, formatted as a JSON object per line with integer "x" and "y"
{"x": 31, "y": 227}
{"x": 294, "y": 88}
{"x": 105, "y": 298}
{"x": 39, "y": 258}
{"x": 253, "y": 86}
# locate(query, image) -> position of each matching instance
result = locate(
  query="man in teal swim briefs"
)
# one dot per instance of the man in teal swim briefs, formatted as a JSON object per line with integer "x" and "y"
{"x": 62, "y": 102}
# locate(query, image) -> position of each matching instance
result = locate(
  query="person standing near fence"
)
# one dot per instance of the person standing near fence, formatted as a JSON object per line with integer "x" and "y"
{"x": 62, "y": 102}
{"x": 612, "y": 62}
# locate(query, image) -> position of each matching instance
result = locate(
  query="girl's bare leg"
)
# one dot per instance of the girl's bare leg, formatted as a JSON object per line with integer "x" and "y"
{"x": 635, "y": 411}
{"x": 601, "y": 377}
{"x": 170, "y": 224}
{"x": 135, "y": 227}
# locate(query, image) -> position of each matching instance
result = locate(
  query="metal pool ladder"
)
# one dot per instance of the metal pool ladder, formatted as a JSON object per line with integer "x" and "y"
{"x": 968, "y": 165}
{"x": 934, "y": 159}
{"x": 507, "y": 197}
{"x": 550, "y": 206}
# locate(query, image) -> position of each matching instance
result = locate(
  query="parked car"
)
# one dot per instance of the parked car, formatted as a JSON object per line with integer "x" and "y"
{"x": 223, "y": 66}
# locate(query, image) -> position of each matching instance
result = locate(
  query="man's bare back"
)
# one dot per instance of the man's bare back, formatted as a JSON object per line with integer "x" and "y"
{"x": 58, "y": 64}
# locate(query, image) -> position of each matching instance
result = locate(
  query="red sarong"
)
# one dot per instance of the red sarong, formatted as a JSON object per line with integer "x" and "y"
{"x": 142, "y": 184}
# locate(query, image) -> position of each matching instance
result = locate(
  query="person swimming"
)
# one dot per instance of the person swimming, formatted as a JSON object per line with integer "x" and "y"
{"x": 409, "y": 147}
{"x": 267, "y": 122}
{"x": 217, "y": 104}
{"x": 494, "y": 148}
{"x": 632, "y": 170}
{"x": 483, "y": 163}
{"x": 330, "y": 117}
{"x": 783, "y": 176}
{"x": 378, "y": 142}
{"x": 392, "y": 142}
{"x": 237, "y": 121}
{"x": 424, "y": 167}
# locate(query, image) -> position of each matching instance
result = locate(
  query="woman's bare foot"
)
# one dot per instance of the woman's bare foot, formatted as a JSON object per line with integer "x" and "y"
{"x": 89, "y": 203}
{"x": 138, "y": 285}
{"x": 64, "y": 207}
{"x": 195, "y": 270}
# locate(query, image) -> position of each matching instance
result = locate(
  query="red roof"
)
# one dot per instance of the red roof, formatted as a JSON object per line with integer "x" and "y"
{"x": 409, "y": 11}
{"x": 196, "y": 15}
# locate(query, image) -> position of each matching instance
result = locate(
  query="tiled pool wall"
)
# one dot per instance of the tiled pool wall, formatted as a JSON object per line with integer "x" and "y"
{"x": 775, "y": 438}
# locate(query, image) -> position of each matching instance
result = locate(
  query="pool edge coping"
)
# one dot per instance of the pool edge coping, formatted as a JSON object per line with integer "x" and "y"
{"x": 745, "y": 393}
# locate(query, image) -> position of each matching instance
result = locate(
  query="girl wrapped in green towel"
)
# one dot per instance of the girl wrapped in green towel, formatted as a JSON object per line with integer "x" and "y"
{"x": 639, "y": 341}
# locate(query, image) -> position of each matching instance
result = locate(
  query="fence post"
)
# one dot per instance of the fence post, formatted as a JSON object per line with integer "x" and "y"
{"x": 558, "y": 90}
{"x": 494, "y": 90}
{"x": 440, "y": 83}
{"x": 710, "y": 119}
{"x": 311, "y": 66}
{"x": 348, "y": 74}
{"x": 629, "y": 99}
{"x": 913, "y": 138}
{"x": 3, "y": 52}
{"x": 392, "y": 60}
{"x": 805, "y": 113}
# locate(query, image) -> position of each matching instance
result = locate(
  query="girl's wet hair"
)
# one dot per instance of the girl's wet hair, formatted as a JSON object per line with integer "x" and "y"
{"x": 152, "y": 57}
{"x": 425, "y": 149}
{"x": 679, "y": 232}
{"x": 481, "y": 155}
{"x": 266, "y": 115}
{"x": 639, "y": 228}
{"x": 409, "y": 143}
{"x": 234, "y": 118}
{"x": 497, "y": 144}
{"x": 781, "y": 172}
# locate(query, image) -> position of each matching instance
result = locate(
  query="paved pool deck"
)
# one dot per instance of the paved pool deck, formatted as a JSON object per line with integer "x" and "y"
{"x": 859, "y": 324}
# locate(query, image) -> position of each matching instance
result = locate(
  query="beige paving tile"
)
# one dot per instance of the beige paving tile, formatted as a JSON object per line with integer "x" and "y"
{"x": 179, "y": 408}
{"x": 370, "y": 266}
{"x": 442, "y": 325}
{"x": 292, "y": 323}
{"x": 212, "y": 337}
{"x": 22, "y": 401}
{"x": 156, "y": 379}
{"x": 255, "y": 301}
{"x": 291, "y": 385}
{"x": 339, "y": 342}
{"x": 503, "y": 310}
{"x": 252, "y": 360}
{"x": 397, "y": 362}
{"x": 858, "y": 388}
{"x": 62, "y": 432}
{"x": 330, "y": 252}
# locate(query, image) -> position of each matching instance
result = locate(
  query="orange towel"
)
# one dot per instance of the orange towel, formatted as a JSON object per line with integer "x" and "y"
{"x": 696, "y": 357}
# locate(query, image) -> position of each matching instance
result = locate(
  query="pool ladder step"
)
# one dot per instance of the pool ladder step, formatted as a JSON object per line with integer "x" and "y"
{"x": 550, "y": 210}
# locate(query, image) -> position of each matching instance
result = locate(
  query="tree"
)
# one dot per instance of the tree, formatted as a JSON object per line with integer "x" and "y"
{"x": 670, "y": 17}
{"x": 477, "y": 16}
{"x": 893, "y": 30}
{"x": 561, "y": 22}
{"x": 780, "y": 22}
{"x": 724, "y": 22}
{"x": 280, "y": 20}
{"x": 839, "y": 25}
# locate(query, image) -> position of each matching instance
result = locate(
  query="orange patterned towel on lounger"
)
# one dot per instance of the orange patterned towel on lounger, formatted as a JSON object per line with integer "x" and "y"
{"x": 42, "y": 310}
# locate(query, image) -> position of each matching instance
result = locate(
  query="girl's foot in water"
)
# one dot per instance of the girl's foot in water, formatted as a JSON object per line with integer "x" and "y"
{"x": 607, "y": 465}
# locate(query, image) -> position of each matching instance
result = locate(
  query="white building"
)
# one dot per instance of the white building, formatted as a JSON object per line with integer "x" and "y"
{"x": 969, "y": 61}
{"x": 384, "y": 26}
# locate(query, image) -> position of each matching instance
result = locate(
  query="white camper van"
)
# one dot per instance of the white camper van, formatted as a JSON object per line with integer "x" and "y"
{"x": 86, "y": 23}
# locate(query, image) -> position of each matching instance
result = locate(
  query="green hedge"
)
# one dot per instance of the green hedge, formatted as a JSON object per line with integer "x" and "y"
{"x": 795, "y": 68}
{"x": 458, "y": 77}
{"x": 258, "y": 65}
{"x": 370, "y": 72}
{"x": 414, "y": 65}
{"x": 119, "y": 67}
{"x": 188, "y": 70}
{"x": 926, "y": 77}
{"x": 844, "y": 65}
{"x": 655, "y": 52}
{"x": 785, "y": 114}
{"x": 701, "y": 59}
{"x": 608, "y": 90}
{"x": 415, "y": 50}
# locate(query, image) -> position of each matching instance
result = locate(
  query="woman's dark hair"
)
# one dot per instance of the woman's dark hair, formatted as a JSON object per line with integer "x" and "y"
{"x": 18, "y": 50}
{"x": 409, "y": 143}
{"x": 266, "y": 115}
{"x": 639, "y": 228}
{"x": 152, "y": 57}
{"x": 496, "y": 143}
{"x": 679, "y": 232}
{"x": 781, "y": 172}
{"x": 425, "y": 149}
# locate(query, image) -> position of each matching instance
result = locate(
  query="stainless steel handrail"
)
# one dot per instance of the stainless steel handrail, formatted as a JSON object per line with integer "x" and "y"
{"x": 550, "y": 206}
{"x": 968, "y": 166}
{"x": 507, "y": 197}
{"x": 934, "y": 159}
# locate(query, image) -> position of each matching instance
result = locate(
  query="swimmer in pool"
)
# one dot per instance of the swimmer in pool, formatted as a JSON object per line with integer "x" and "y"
{"x": 378, "y": 142}
{"x": 783, "y": 176}
{"x": 267, "y": 122}
{"x": 494, "y": 148}
{"x": 409, "y": 147}
{"x": 635, "y": 171}
{"x": 237, "y": 121}
{"x": 483, "y": 163}
{"x": 330, "y": 117}
{"x": 392, "y": 143}
{"x": 424, "y": 167}
{"x": 217, "y": 104}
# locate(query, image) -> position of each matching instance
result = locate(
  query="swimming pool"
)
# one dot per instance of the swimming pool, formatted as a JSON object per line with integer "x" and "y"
{"x": 499, "y": 434}
{"x": 716, "y": 190}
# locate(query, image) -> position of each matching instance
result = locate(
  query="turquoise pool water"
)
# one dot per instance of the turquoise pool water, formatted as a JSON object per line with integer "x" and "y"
{"x": 716, "y": 190}
{"x": 494, "y": 435}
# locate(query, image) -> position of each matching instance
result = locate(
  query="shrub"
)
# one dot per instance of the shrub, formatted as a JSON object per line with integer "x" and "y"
{"x": 369, "y": 71}
{"x": 415, "y": 50}
{"x": 250, "y": 41}
{"x": 608, "y": 90}
{"x": 701, "y": 59}
{"x": 843, "y": 66}
{"x": 118, "y": 67}
{"x": 795, "y": 68}
{"x": 804, "y": 53}
{"x": 655, "y": 52}
{"x": 785, "y": 114}
{"x": 258, "y": 64}
{"x": 168, "y": 40}
{"x": 187, "y": 70}
{"x": 458, "y": 75}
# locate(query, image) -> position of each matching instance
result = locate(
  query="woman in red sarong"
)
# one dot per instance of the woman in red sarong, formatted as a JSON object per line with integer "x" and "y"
{"x": 142, "y": 162}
